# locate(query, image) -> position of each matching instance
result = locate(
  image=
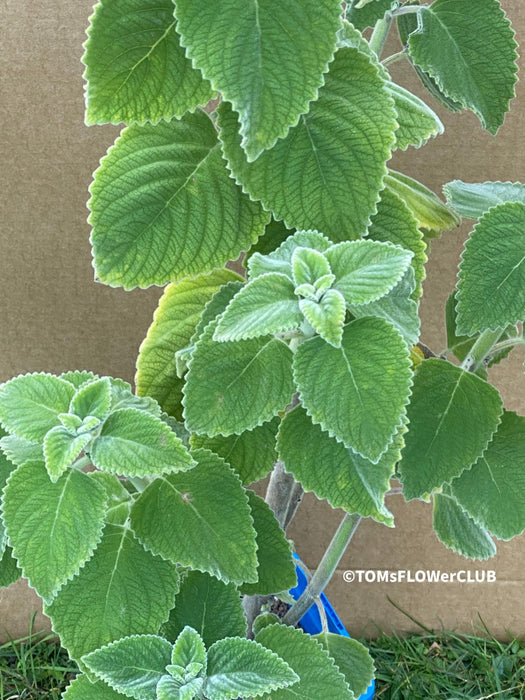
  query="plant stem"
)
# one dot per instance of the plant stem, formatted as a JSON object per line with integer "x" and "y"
{"x": 82, "y": 462}
{"x": 325, "y": 570}
{"x": 509, "y": 343}
{"x": 279, "y": 493}
{"x": 481, "y": 349}
{"x": 139, "y": 482}
{"x": 394, "y": 58}
{"x": 380, "y": 34}
{"x": 407, "y": 10}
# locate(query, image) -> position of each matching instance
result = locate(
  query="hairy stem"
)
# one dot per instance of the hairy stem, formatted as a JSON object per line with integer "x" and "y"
{"x": 279, "y": 493}
{"x": 325, "y": 570}
{"x": 481, "y": 349}
{"x": 509, "y": 343}
{"x": 380, "y": 34}
{"x": 394, "y": 58}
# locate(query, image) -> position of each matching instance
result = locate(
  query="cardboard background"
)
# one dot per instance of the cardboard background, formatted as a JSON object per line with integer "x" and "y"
{"x": 54, "y": 317}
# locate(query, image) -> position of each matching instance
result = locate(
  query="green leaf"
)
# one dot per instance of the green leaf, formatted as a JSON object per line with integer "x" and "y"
{"x": 136, "y": 70}
{"x": 308, "y": 265}
{"x": 174, "y": 321}
{"x": 118, "y": 497}
{"x": 452, "y": 416}
{"x": 469, "y": 50}
{"x": 472, "y": 200}
{"x": 170, "y": 689}
{"x": 280, "y": 260}
{"x": 134, "y": 443}
{"x": 251, "y": 454}
{"x": 276, "y": 570}
{"x": 351, "y": 658}
{"x": 493, "y": 490}
{"x": 250, "y": 50}
{"x": 30, "y": 404}
{"x": 78, "y": 377}
{"x": 333, "y": 471}
{"x": 20, "y": 451}
{"x": 395, "y": 223}
{"x": 165, "y": 189}
{"x": 209, "y": 606}
{"x": 6, "y": 469}
{"x": 189, "y": 649}
{"x": 397, "y": 307}
{"x": 367, "y": 270}
{"x": 61, "y": 449}
{"x": 121, "y": 591}
{"x": 53, "y": 527}
{"x": 460, "y": 345}
{"x": 93, "y": 399}
{"x": 244, "y": 667}
{"x": 9, "y": 570}
{"x": 275, "y": 233}
{"x": 265, "y": 305}
{"x": 491, "y": 287}
{"x": 235, "y": 386}
{"x": 417, "y": 122}
{"x": 364, "y": 14}
{"x": 458, "y": 531}
{"x": 429, "y": 211}
{"x": 326, "y": 316}
{"x": 357, "y": 392}
{"x": 204, "y": 532}
{"x": 123, "y": 397}
{"x": 341, "y": 170}
{"x": 319, "y": 677}
{"x": 83, "y": 689}
{"x": 132, "y": 665}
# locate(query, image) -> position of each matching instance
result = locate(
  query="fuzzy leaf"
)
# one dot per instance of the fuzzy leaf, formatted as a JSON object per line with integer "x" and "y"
{"x": 397, "y": 307}
{"x": 367, "y": 270}
{"x": 121, "y": 591}
{"x": 177, "y": 314}
{"x": 308, "y": 265}
{"x": 209, "y": 606}
{"x": 280, "y": 259}
{"x": 365, "y": 14}
{"x": 134, "y": 443}
{"x": 472, "y": 200}
{"x": 251, "y": 454}
{"x": 493, "y": 490}
{"x": 189, "y": 649}
{"x": 223, "y": 375}
{"x": 244, "y": 667}
{"x": 30, "y": 404}
{"x": 264, "y": 306}
{"x": 333, "y": 471}
{"x": 341, "y": 170}
{"x": 136, "y": 70}
{"x": 83, "y": 689}
{"x": 351, "y": 657}
{"x": 123, "y": 397}
{"x": 132, "y": 665}
{"x": 326, "y": 316}
{"x": 491, "y": 287}
{"x": 93, "y": 399}
{"x": 469, "y": 50}
{"x": 61, "y": 449}
{"x": 20, "y": 451}
{"x": 9, "y": 570}
{"x": 395, "y": 223}
{"x": 319, "y": 677}
{"x": 429, "y": 211}
{"x": 165, "y": 189}
{"x": 417, "y": 122}
{"x": 204, "y": 532}
{"x": 458, "y": 531}
{"x": 452, "y": 417}
{"x": 170, "y": 689}
{"x": 78, "y": 377}
{"x": 276, "y": 569}
{"x": 53, "y": 527}
{"x": 250, "y": 50}
{"x": 357, "y": 392}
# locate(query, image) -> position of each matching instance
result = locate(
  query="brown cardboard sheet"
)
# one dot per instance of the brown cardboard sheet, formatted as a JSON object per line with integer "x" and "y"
{"x": 53, "y": 316}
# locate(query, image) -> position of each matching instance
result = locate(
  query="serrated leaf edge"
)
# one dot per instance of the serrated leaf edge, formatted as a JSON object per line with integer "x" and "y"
{"x": 450, "y": 545}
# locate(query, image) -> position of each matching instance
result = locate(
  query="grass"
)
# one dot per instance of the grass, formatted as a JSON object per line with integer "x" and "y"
{"x": 444, "y": 666}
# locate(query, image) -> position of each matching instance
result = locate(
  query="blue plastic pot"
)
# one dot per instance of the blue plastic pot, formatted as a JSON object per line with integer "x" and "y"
{"x": 311, "y": 620}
